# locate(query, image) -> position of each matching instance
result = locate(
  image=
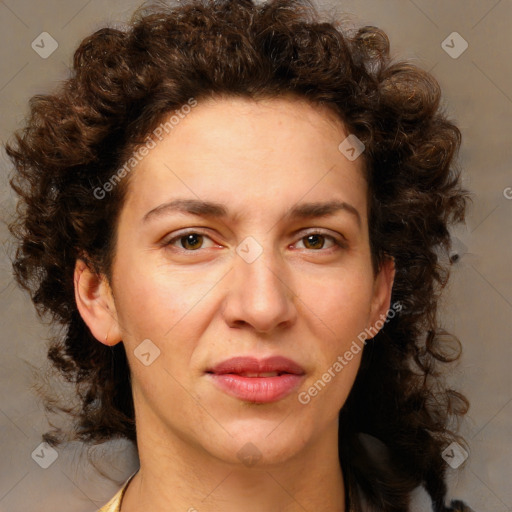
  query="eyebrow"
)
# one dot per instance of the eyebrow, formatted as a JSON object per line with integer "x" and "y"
{"x": 218, "y": 210}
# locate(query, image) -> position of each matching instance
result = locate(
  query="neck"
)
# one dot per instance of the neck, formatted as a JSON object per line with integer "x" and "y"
{"x": 175, "y": 475}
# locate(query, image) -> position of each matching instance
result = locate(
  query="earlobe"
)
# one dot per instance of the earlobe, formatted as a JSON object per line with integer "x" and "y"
{"x": 95, "y": 303}
{"x": 382, "y": 289}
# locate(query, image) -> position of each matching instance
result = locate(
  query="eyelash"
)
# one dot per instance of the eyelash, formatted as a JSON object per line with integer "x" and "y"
{"x": 340, "y": 243}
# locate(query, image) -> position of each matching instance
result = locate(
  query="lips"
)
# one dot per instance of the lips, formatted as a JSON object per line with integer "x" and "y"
{"x": 260, "y": 381}
{"x": 252, "y": 367}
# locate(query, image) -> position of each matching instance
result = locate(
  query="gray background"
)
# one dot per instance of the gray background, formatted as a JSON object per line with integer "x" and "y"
{"x": 478, "y": 302}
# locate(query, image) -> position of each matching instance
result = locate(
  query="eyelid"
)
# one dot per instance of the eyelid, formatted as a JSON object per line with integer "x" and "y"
{"x": 182, "y": 233}
{"x": 339, "y": 240}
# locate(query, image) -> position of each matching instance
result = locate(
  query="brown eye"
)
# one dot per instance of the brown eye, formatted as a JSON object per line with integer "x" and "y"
{"x": 191, "y": 241}
{"x": 314, "y": 241}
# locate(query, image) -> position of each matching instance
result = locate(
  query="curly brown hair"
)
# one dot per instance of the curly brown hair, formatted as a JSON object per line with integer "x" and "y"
{"x": 125, "y": 82}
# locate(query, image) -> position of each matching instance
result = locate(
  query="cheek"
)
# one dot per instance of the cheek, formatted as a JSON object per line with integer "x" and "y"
{"x": 340, "y": 303}
{"x": 152, "y": 300}
{"x": 143, "y": 307}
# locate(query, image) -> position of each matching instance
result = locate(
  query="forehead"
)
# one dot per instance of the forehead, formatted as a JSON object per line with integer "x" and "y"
{"x": 270, "y": 125}
{"x": 279, "y": 148}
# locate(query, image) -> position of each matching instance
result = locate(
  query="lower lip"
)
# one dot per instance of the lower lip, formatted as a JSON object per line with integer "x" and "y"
{"x": 257, "y": 389}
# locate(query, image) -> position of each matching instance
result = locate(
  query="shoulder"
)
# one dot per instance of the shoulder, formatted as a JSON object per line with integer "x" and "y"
{"x": 114, "y": 505}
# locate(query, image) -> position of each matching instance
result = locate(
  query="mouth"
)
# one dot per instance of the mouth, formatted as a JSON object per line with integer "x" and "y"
{"x": 256, "y": 374}
{"x": 257, "y": 381}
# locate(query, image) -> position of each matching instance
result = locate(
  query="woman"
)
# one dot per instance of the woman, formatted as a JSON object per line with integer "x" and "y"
{"x": 237, "y": 213}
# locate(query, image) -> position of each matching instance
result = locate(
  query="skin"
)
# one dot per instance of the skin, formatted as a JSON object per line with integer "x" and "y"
{"x": 304, "y": 298}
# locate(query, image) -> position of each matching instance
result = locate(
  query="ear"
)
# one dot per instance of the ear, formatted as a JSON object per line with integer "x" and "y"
{"x": 381, "y": 299}
{"x": 95, "y": 304}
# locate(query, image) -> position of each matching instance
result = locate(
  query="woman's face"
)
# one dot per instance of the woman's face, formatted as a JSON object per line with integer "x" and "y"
{"x": 244, "y": 266}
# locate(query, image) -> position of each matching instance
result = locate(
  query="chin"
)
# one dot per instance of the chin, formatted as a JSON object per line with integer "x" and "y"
{"x": 262, "y": 444}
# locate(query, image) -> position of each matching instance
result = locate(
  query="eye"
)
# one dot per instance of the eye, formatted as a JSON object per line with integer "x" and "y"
{"x": 316, "y": 241}
{"x": 190, "y": 241}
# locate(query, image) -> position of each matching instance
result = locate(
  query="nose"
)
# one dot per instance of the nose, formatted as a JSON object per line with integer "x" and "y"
{"x": 261, "y": 294}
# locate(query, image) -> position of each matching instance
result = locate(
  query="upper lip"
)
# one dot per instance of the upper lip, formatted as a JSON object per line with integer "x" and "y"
{"x": 248, "y": 364}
